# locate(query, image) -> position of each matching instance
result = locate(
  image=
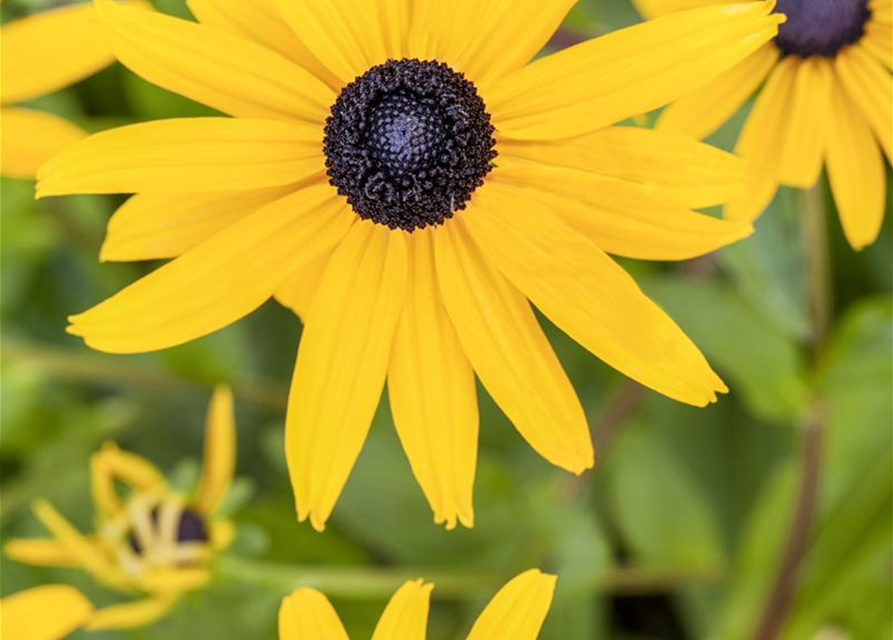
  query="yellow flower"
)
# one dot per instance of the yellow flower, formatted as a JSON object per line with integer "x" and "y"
{"x": 828, "y": 97}
{"x": 152, "y": 544}
{"x": 517, "y": 612}
{"x": 43, "y": 53}
{"x": 362, "y": 183}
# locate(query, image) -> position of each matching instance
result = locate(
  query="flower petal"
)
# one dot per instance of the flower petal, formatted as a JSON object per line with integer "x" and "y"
{"x": 349, "y": 36}
{"x": 803, "y": 149}
{"x": 856, "y": 172}
{"x": 406, "y": 616}
{"x": 50, "y": 50}
{"x": 701, "y": 113}
{"x": 761, "y": 141}
{"x": 110, "y": 466}
{"x": 213, "y": 67}
{"x": 655, "y": 8}
{"x": 184, "y": 156}
{"x": 174, "y": 580}
{"x": 344, "y": 353}
{"x": 131, "y": 615}
{"x": 153, "y": 226}
{"x": 518, "y": 611}
{"x": 628, "y": 72}
{"x": 25, "y": 614}
{"x": 30, "y": 138}
{"x": 297, "y": 292}
{"x": 510, "y": 352}
{"x": 878, "y": 39}
{"x": 220, "y": 451}
{"x": 46, "y": 552}
{"x": 621, "y": 218}
{"x": 442, "y": 30}
{"x": 870, "y": 87}
{"x": 261, "y": 22}
{"x": 588, "y": 296}
{"x": 307, "y": 615}
{"x": 220, "y": 280}
{"x": 432, "y": 392}
{"x": 673, "y": 167}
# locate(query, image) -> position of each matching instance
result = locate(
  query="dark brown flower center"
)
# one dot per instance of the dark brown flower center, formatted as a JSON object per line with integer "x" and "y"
{"x": 820, "y": 27}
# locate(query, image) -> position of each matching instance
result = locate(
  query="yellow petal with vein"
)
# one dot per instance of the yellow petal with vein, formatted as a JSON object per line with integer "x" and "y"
{"x": 30, "y": 138}
{"x": 704, "y": 111}
{"x": 48, "y": 612}
{"x": 656, "y": 8}
{"x": 856, "y": 172}
{"x": 809, "y": 109}
{"x": 344, "y": 353}
{"x": 588, "y": 296}
{"x": 131, "y": 615}
{"x": 154, "y": 226}
{"x": 518, "y": 611}
{"x": 509, "y": 351}
{"x": 306, "y": 614}
{"x": 628, "y": 72}
{"x": 442, "y": 30}
{"x": 298, "y": 290}
{"x": 215, "y": 68}
{"x": 870, "y": 87}
{"x": 878, "y": 39}
{"x": 432, "y": 392}
{"x": 186, "y": 155}
{"x": 220, "y": 451}
{"x": 222, "y": 279}
{"x": 760, "y": 143}
{"x": 406, "y": 616}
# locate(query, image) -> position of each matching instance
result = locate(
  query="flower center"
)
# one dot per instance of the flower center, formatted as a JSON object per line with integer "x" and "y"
{"x": 190, "y": 528}
{"x": 408, "y": 142}
{"x": 820, "y": 27}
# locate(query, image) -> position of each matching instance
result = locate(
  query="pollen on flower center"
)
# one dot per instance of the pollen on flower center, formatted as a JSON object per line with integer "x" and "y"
{"x": 820, "y": 27}
{"x": 408, "y": 142}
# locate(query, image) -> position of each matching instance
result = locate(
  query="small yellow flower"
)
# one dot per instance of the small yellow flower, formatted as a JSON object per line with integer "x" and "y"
{"x": 43, "y": 53}
{"x": 152, "y": 544}
{"x": 827, "y": 98}
{"x": 401, "y": 175}
{"x": 517, "y": 612}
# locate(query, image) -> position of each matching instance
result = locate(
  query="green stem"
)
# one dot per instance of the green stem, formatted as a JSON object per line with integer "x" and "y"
{"x": 815, "y": 239}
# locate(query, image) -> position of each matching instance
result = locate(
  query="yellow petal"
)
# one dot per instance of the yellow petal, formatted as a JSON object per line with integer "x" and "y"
{"x": 432, "y": 392}
{"x": 621, "y": 218}
{"x": 870, "y": 87}
{"x": 152, "y": 226}
{"x": 131, "y": 615}
{"x": 47, "y": 552}
{"x": 47, "y": 51}
{"x": 110, "y": 466}
{"x": 306, "y": 614}
{"x": 656, "y": 8}
{"x": 89, "y": 555}
{"x": 174, "y": 580}
{"x": 343, "y": 354}
{"x": 509, "y": 33}
{"x": 518, "y": 611}
{"x": 878, "y": 39}
{"x": 349, "y": 36}
{"x": 222, "y": 533}
{"x": 215, "y": 68}
{"x": 442, "y": 30}
{"x": 809, "y": 108}
{"x": 297, "y": 291}
{"x": 186, "y": 155}
{"x": 406, "y": 616}
{"x": 220, "y": 451}
{"x": 588, "y": 296}
{"x": 261, "y": 22}
{"x": 48, "y": 612}
{"x": 628, "y": 72}
{"x": 760, "y": 143}
{"x": 30, "y": 138}
{"x": 509, "y": 352}
{"x": 856, "y": 172}
{"x": 222, "y": 279}
{"x": 671, "y": 166}
{"x": 701, "y": 113}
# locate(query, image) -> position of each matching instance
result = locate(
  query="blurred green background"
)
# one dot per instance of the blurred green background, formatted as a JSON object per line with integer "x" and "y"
{"x": 678, "y": 532}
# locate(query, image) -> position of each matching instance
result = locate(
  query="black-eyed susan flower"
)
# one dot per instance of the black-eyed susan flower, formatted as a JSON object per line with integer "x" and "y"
{"x": 400, "y": 176}
{"x": 151, "y": 544}
{"x": 517, "y": 612}
{"x": 826, "y": 100}
{"x": 43, "y": 53}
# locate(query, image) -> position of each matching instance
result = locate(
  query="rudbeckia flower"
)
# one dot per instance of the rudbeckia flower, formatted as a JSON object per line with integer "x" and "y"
{"x": 399, "y": 174}
{"x": 43, "y": 53}
{"x": 151, "y": 544}
{"x": 517, "y": 612}
{"x": 827, "y": 99}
